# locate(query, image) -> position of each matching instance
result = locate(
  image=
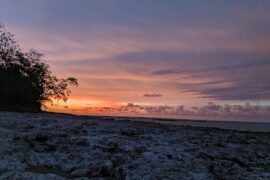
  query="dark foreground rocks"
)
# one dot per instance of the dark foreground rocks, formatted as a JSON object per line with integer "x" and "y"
{"x": 51, "y": 146}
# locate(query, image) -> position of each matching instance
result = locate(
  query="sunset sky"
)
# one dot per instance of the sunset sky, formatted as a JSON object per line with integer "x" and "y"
{"x": 151, "y": 57}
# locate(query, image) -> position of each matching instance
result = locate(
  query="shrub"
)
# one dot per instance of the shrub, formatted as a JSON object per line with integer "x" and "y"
{"x": 25, "y": 81}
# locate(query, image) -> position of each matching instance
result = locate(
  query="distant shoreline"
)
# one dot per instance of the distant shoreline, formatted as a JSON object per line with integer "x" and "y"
{"x": 155, "y": 117}
{"x": 223, "y": 125}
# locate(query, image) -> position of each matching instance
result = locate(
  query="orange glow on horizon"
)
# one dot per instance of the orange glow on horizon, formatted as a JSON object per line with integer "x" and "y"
{"x": 75, "y": 104}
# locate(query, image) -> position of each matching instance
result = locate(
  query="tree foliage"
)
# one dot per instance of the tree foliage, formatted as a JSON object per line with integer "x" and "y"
{"x": 26, "y": 82}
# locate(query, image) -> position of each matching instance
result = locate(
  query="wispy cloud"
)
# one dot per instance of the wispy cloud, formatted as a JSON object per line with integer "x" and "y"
{"x": 121, "y": 49}
{"x": 152, "y": 95}
{"x": 244, "y": 80}
{"x": 201, "y": 54}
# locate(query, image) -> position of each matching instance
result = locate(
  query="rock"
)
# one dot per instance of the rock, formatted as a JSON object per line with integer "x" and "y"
{"x": 42, "y": 137}
{"x": 30, "y": 176}
{"x": 128, "y": 148}
{"x": 112, "y": 147}
{"x": 259, "y": 154}
{"x": 169, "y": 156}
{"x": 121, "y": 150}
{"x": 148, "y": 155}
{"x": 129, "y": 133}
{"x": 16, "y": 166}
{"x": 101, "y": 169}
{"x": 17, "y": 138}
{"x": 51, "y": 147}
{"x": 80, "y": 172}
{"x": 76, "y": 130}
{"x": 82, "y": 142}
{"x": 28, "y": 127}
{"x": 204, "y": 155}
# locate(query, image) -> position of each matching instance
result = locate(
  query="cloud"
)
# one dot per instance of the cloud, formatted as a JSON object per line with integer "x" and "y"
{"x": 98, "y": 43}
{"x": 152, "y": 95}
{"x": 160, "y": 49}
{"x": 210, "y": 75}
{"x": 171, "y": 71}
{"x": 217, "y": 75}
{"x": 241, "y": 79}
{"x": 211, "y": 109}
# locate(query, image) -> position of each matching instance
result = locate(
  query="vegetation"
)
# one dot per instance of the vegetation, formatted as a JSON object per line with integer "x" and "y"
{"x": 25, "y": 81}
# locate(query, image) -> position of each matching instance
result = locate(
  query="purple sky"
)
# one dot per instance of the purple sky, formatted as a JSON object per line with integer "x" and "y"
{"x": 150, "y": 53}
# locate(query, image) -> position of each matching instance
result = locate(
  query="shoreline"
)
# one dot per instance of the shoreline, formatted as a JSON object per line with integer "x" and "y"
{"x": 244, "y": 126}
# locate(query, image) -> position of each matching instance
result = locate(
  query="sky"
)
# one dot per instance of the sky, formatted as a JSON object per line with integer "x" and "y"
{"x": 204, "y": 58}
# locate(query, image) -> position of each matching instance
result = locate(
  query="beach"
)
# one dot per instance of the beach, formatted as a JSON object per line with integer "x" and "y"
{"x": 59, "y": 146}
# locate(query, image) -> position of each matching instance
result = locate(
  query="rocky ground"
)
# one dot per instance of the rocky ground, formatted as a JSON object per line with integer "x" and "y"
{"x": 55, "y": 146}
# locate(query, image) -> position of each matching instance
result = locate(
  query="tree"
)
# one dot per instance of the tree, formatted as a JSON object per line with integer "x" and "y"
{"x": 25, "y": 81}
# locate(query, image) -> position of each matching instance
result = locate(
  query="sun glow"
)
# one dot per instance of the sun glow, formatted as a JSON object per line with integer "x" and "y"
{"x": 74, "y": 105}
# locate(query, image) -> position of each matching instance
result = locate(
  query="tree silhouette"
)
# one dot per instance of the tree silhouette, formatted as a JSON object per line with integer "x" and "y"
{"x": 25, "y": 81}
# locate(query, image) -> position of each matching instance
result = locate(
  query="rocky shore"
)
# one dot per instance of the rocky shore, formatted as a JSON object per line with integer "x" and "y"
{"x": 57, "y": 146}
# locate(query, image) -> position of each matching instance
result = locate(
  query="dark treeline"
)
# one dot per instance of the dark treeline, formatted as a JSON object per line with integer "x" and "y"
{"x": 25, "y": 81}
